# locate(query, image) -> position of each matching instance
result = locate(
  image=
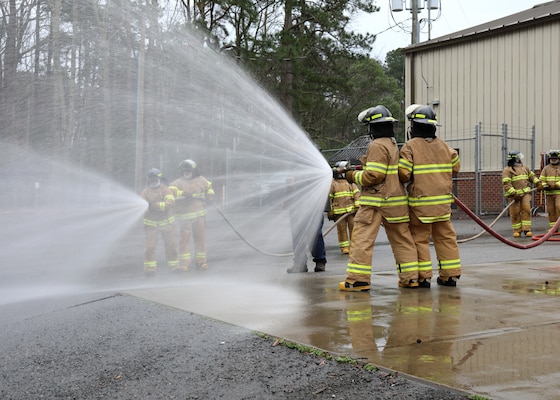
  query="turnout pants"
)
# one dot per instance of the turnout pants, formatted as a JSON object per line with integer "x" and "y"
{"x": 445, "y": 244}
{"x": 520, "y": 213}
{"x": 344, "y": 230}
{"x": 366, "y": 227}
{"x": 150, "y": 247}
{"x": 195, "y": 228}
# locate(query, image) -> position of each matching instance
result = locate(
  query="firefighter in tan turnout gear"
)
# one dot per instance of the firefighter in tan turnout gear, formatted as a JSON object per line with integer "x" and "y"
{"x": 428, "y": 165}
{"x": 158, "y": 218}
{"x": 382, "y": 202}
{"x": 550, "y": 179}
{"x": 517, "y": 180}
{"x": 191, "y": 192}
{"x": 344, "y": 198}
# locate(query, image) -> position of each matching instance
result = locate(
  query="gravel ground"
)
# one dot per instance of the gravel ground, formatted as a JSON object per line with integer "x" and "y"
{"x": 116, "y": 346}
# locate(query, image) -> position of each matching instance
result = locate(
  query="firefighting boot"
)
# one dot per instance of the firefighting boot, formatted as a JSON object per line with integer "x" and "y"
{"x": 528, "y": 233}
{"x": 345, "y": 250}
{"x": 516, "y": 234}
{"x": 426, "y": 283}
{"x": 354, "y": 287}
{"x": 451, "y": 281}
{"x": 202, "y": 266}
{"x": 411, "y": 283}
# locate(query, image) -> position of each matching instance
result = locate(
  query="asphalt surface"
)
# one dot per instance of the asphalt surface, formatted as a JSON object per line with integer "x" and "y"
{"x": 122, "y": 347}
{"x": 110, "y": 344}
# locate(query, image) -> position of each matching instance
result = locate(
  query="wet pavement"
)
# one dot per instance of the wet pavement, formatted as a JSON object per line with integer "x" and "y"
{"x": 497, "y": 334}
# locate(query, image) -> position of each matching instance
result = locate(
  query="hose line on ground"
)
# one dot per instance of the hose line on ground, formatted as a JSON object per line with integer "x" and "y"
{"x": 502, "y": 239}
{"x": 263, "y": 251}
{"x": 492, "y": 224}
{"x": 245, "y": 240}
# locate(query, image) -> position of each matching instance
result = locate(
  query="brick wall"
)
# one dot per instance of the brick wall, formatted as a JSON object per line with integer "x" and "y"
{"x": 491, "y": 191}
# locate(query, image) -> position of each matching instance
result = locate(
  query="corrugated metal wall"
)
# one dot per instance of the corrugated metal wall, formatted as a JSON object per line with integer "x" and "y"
{"x": 510, "y": 78}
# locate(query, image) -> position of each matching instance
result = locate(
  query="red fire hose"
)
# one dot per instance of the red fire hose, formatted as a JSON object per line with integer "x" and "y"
{"x": 502, "y": 239}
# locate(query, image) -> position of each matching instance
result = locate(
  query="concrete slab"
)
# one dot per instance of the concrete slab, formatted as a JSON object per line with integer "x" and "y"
{"x": 497, "y": 334}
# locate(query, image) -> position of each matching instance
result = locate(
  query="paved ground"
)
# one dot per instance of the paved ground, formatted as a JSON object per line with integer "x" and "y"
{"x": 195, "y": 336}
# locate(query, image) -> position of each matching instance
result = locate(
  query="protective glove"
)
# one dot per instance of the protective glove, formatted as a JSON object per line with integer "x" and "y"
{"x": 330, "y": 216}
{"x": 540, "y": 186}
{"x": 349, "y": 175}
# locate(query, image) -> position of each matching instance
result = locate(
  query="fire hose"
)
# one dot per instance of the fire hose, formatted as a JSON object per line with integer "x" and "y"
{"x": 338, "y": 221}
{"x": 486, "y": 228}
{"x": 245, "y": 240}
{"x": 491, "y": 225}
{"x": 502, "y": 239}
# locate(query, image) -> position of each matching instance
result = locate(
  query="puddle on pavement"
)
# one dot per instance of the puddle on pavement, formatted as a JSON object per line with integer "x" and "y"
{"x": 496, "y": 334}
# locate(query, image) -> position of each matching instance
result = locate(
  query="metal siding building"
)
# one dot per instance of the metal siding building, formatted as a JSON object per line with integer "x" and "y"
{"x": 495, "y": 87}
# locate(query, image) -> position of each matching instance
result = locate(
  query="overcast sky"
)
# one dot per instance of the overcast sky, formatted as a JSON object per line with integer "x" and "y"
{"x": 452, "y": 16}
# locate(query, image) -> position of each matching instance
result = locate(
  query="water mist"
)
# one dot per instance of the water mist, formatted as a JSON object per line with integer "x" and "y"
{"x": 60, "y": 232}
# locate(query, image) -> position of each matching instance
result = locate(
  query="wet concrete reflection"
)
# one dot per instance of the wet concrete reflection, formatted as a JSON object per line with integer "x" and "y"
{"x": 497, "y": 334}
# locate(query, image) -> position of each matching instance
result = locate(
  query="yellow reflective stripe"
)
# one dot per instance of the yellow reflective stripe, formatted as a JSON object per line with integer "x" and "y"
{"x": 358, "y": 269}
{"x": 154, "y": 223}
{"x": 376, "y": 167}
{"x": 431, "y": 220}
{"x": 424, "y": 265}
{"x": 407, "y": 267}
{"x": 344, "y": 244}
{"x": 358, "y": 177}
{"x": 405, "y": 164}
{"x": 430, "y": 200}
{"x": 449, "y": 264}
{"x": 393, "y": 170}
{"x": 343, "y": 210}
{"x": 455, "y": 160}
{"x": 432, "y": 168}
{"x": 521, "y": 177}
{"x": 398, "y": 220}
{"x": 345, "y": 193}
{"x": 192, "y": 215}
{"x": 383, "y": 202}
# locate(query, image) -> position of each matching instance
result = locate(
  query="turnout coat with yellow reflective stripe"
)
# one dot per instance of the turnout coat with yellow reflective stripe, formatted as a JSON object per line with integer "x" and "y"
{"x": 550, "y": 177}
{"x": 517, "y": 180}
{"x": 191, "y": 195}
{"x": 379, "y": 181}
{"x": 344, "y": 196}
{"x": 429, "y": 165}
{"x": 160, "y": 202}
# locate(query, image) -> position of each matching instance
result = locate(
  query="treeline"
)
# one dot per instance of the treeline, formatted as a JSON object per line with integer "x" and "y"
{"x": 75, "y": 71}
